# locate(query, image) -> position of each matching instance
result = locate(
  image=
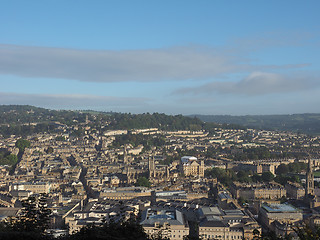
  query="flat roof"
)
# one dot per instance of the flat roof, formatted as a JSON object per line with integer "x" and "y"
{"x": 211, "y": 211}
{"x": 150, "y": 216}
{"x": 279, "y": 208}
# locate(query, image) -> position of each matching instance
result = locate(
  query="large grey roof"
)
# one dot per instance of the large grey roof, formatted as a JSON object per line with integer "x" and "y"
{"x": 215, "y": 223}
{"x": 206, "y": 211}
{"x": 173, "y": 217}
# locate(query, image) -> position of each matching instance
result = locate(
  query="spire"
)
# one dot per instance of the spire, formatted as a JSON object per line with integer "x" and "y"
{"x": 309, "y": 190}
{"x": 151, "y": 166}
{"x": 125, "y": 154}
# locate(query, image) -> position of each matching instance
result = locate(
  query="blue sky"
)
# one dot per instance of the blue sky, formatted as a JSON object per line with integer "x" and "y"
{"x": 175, "y": 57}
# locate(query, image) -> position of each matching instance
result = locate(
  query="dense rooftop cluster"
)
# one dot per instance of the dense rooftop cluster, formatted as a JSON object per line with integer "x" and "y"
{"x": 204, "y": 180}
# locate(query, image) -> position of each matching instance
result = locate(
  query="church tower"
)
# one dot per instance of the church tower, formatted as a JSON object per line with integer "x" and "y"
{"x": 87, "y": 119}
{"x": 309, "y": 180}
{"x": 125, "y": 154}
{"x": 151, "y": 167}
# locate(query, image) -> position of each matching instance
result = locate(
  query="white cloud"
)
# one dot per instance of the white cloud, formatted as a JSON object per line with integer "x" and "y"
{"x": 272, "y": 39}
{"x": 72, "y": 101}
{"x": 176, "y": 63}
{"x": 257, "y": 83}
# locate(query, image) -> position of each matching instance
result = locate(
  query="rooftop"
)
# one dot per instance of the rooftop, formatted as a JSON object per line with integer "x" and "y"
{"x": 279, "y": 208}
{"x": 151, "y": 216}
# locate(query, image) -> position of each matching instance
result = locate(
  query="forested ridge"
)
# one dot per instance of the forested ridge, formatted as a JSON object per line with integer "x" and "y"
{"x": 26, "y": 120}
{"x": 307, "y": 123}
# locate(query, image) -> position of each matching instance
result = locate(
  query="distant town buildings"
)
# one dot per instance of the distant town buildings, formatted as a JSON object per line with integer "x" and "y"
{"x": 94, "y": 178}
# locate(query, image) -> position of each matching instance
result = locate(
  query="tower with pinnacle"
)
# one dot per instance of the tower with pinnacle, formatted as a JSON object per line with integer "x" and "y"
{"x": 151, "y": 167}
{"x": 309, "y": 190}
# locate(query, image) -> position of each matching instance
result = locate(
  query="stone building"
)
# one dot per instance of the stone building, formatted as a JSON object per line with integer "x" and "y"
{"x": 309, "y": 190}
{"x": 294, "y": 190}
{"x": 37, "y": 187}
{"x": 271, "y": 190}
{"x": 170, "y": 223}
{"x": 190, "y": 166}
{"x": 279, "y": 217}
{"x": 218, "y": 223}
{"x": 157, "y": 173}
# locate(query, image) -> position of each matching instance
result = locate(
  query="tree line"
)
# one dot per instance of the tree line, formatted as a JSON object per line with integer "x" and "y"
{"x": 16, "y": 119}
{"x": 7, "y": 158}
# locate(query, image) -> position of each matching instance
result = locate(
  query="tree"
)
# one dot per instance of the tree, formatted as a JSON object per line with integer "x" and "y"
{"x": 243, "y": 176}
{"x": 282, "y": 169}
{"x": 297, "y": 167}
{"x": 49, "y": 150}
{"x": 123, "y": 230}
{"x": 30, "y": 224}
{"x": 22, "y": 144}
{"x": 267, "y": 176}
{"x": 256, "y": 177}
{"x": 143, "y": 181}
{"x": 283, "y": 179}
{"x": 8, "y": 159}
{"x": 225, "y": 176}
{"x": 307, "y": 232}
{"x": 34, "y": 217}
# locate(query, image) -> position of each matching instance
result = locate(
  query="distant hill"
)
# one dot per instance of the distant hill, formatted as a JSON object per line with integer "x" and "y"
{"x": 18, "y": 119}
{"x": 303, "y": 123}
{"x": 23, "y": 120}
